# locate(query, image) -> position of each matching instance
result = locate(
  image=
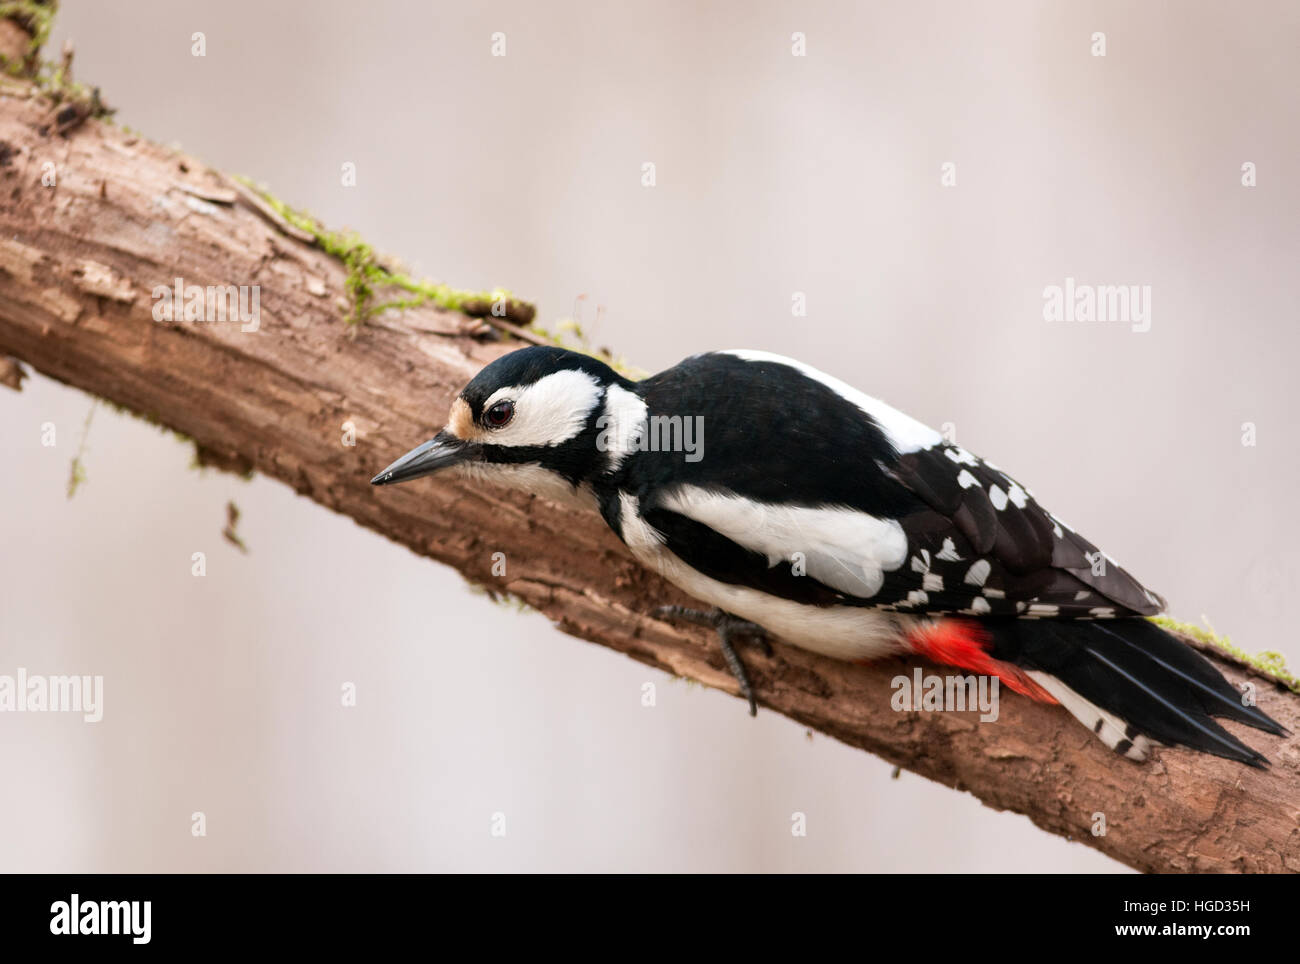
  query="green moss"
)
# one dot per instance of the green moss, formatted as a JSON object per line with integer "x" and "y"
{"x": 38, "y": 20}
{"x": 75, "y": 101}
{"x": 53, "y": 79}
{"x": 1269, "y": 662}
{"x": 367, "y": 276}
{"x": 499, "y": 596}
{"x": 568, "y": 334}
{"x": 77, "y": 470}
{"x": 200, "y": 459}
{"x": 76, "y": 475}
{"x": 229, "y": 533}
{"x": 153, "y": 420}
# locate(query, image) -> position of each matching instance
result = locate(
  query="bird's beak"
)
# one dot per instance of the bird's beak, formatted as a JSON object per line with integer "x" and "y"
{"x": 440, "y": 452}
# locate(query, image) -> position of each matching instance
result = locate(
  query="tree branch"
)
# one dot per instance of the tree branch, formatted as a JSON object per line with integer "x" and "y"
{"x": 78, "y": 264}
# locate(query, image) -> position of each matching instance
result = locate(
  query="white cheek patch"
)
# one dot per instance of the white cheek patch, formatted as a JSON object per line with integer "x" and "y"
{"x": 905, "y": 432}
{"x": 550, "y": 411}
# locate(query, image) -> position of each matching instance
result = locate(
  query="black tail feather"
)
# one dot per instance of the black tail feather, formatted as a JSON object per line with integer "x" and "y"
{"x": 1218, "y": 696}
{"x": 1133, "y": 669}
{"x": 1167, "y": 720}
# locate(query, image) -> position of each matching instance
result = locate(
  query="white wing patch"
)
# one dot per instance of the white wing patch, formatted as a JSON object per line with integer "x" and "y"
{"x": 905, "y": 432}
{"x": 840, "y": 547}
{"x": 549, "y": 411}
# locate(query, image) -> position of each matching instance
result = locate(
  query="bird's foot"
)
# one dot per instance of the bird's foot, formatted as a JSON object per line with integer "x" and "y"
{"x": 728, "y": 628}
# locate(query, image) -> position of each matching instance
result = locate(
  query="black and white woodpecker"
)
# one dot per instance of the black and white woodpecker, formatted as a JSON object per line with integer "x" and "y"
{"x": 804, "y": 508}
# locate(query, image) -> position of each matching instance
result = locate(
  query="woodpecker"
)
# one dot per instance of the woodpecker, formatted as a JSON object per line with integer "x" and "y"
{"x": 798, "y": 506}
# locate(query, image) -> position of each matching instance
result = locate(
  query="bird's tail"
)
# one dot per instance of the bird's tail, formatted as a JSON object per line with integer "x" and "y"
{"x": 1127, "y": 680}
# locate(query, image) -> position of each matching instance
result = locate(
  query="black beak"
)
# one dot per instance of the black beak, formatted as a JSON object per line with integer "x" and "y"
{"x": 440, "y": 452}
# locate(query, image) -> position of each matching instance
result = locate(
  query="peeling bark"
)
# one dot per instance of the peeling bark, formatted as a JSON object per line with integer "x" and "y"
{"x": 79, "y": 261}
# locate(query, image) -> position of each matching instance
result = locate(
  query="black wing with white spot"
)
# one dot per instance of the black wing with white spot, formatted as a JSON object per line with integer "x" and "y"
{"x": 984, "y": 545}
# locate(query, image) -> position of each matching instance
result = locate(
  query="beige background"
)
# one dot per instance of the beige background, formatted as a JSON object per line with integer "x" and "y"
{"x": 775, "y": 174}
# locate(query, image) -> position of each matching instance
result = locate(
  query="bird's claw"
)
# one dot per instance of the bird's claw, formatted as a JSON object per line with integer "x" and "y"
{"x": 727, "y": 626}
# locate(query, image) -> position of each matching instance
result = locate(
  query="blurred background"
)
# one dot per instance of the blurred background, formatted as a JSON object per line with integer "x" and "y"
{"x": 775, "y": 174}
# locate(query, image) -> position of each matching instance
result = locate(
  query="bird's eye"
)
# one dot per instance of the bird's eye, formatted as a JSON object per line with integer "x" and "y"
{"x": 499, "y": 415}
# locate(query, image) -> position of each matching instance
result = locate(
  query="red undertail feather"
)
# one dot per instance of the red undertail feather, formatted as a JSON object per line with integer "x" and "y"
{"x": 964, "y": 643}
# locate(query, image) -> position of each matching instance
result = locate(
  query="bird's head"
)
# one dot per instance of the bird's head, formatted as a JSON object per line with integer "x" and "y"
{"x": 531, "y": 418}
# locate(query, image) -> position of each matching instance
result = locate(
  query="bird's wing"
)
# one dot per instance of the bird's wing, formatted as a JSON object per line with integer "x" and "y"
{"x": 875, "y": 509}
{"x": 981, "y": 535}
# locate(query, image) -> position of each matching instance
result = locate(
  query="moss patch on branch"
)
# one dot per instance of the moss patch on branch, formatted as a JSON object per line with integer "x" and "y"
{"x": 73, "y": 102}
{"x": 498, "y": 596}
{"x": 368, "y": 275}
{"x": 201, "y": 457}
{"x": 38, "y": 20}
{"x": 1271, "y": 663}
{"x": 568, "y": 334}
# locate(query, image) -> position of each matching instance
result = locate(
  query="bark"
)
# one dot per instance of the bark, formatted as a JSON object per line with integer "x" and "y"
{"x": 78, "y": 263}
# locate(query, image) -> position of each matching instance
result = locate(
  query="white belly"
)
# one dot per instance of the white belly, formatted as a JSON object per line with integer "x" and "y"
{"x": 843, "y": 632}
